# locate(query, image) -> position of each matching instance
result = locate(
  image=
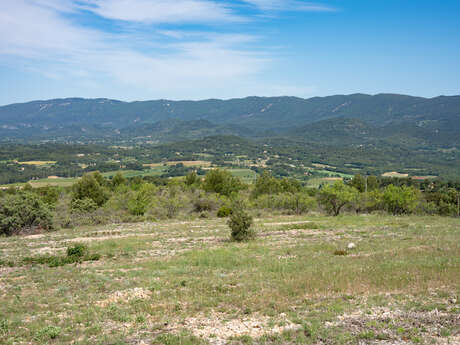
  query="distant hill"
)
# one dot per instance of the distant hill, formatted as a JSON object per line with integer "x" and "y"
{"x": 341, "y": 118}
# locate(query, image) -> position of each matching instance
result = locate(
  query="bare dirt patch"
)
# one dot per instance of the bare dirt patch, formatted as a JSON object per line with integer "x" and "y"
{"x": 125, "y": 296}
{"x": 216, "y": 328}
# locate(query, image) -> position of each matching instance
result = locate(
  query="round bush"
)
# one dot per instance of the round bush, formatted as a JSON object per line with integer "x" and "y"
{"x": 24, "y": 212}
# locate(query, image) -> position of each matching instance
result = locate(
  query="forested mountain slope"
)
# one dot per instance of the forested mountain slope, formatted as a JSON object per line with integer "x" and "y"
{"x": 433, "y": 121}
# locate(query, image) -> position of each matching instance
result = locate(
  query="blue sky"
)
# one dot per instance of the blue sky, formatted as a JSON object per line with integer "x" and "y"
{"x": 197, "y": 49}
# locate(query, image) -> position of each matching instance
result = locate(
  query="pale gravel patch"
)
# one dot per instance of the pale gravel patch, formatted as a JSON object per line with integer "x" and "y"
{"x": 217, "y": 329}
{"x": 47, "y": 250}
{"x": 124, "y": 296}
{"x": 34, "y": 237}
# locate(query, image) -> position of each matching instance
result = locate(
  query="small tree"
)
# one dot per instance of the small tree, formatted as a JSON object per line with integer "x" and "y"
{"x": 240, "y": 223}
{"x": 118, "y": 180}
{"x": 266, "y": 184}
{"x": 335, "y": 197}
{"x": 192, "y": 178}
{"x": 400, "y": 200}
{"x": 90, "y": 186}
{"x": 222, "y": 182}
{"x": 359, "y": 182}
{"x": 141, "y": 199}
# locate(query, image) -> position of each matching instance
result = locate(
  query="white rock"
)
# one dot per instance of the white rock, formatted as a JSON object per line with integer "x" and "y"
{"x": 351, "y": 245}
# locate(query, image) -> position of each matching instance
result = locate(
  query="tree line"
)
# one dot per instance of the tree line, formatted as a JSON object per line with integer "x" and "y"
{"x": 94, "y": 199}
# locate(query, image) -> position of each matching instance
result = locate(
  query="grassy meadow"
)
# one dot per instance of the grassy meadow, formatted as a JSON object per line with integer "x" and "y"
{"x": 184, "y": 282}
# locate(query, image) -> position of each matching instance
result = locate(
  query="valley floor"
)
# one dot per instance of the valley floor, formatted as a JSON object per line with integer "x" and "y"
{"x": 186, "y": 283}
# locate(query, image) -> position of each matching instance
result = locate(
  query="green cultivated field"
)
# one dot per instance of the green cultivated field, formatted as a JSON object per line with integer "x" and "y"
{"x": 185, "y": 283}
{"x": 155, "y": 171}
{"x": 246, "y": 175}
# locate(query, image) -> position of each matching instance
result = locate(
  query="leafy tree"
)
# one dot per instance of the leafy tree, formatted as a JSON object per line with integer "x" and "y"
{"x": 335, "y": 197}
{"x": 91, "y": 186}
{"x": 139, "y": 202}
{"x": 22, "y": 212}
{"x": 290, "y": 185}
{"x": 400, "y": 200}
{"x": 192, "y": 178}
{"x": 445, "y": 200}
{"x": 359, "y": 182}
{"x": 222, "y": 182}
{"x": 372, "y": 183}
{"x": 266, "y": 184}
{"x": 118, "y": 180}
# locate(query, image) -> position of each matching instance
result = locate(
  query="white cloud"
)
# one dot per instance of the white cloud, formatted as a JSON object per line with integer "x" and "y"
{"x": 163, "y": 11}
{"x": 289, "y": 5}
{"x": 40, "y": 36}
{"x": 35, "y": 32}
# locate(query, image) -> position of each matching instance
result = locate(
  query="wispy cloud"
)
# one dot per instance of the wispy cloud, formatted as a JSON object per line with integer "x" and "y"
{"x": 289, "y": 5}
{"x": 163, "y": 11}
{"x": 48, "y": 39}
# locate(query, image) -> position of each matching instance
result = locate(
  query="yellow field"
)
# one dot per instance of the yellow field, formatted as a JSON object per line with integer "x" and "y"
{"x": 394, "y": 174}
{"x": 37, "y": 163}
{"x": 322, "y": 166}
{"x": 332, "y": 179}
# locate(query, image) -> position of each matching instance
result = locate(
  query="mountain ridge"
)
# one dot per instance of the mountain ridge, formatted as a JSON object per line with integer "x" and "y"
{"x": 433, "y": 120}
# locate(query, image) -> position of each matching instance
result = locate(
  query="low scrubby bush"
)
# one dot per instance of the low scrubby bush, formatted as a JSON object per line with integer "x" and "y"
{"x": 83, "y": 205}
{"x": 48, "y": 332}
{"x": 78, "y": 250}
{"x": 24, "y": 212}
{"x": 203, "y": 204}
{"x": 75, "y": 254}
{"x": 224, "y": 211}
{"x": 240, "y": 223}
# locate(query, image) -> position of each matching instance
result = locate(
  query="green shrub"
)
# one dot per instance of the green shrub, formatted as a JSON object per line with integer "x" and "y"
{"x": 222, "y": 182}
{"x": 140, "y": 200}
{"x": 203, "y": 204}
{"x": 400, "y": 200}
{"x": 78, "y": 250}
{"x": 192, "y": 179}
{"x": 83, "y": 205}
{"x": 76, "y": 254}
{"x": 224, "y": 212}
{"x": 335, "y": 197}
{"x": 91, "y": 186}
{"x": 23, "y": 212}
{"x": 3, "y": 326}
{"x": 118, "y": 180}
{"x": 48, "y": 332}
{"x": 240, "y": 223}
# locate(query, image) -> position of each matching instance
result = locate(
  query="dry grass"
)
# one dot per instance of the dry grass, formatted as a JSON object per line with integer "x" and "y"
{"x": 394, "y": 174}
{"x": 185, "y": 283}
